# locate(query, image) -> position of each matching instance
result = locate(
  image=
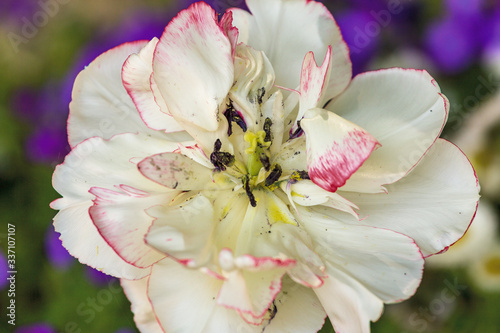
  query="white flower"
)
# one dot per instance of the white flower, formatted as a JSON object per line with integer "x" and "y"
{"x": 236, "y": 186}
{"x": 485, "y": 272}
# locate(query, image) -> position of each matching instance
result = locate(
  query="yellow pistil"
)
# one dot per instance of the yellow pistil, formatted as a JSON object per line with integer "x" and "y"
{"x": 257, "y": 145}
{"x": 256, "y": 140}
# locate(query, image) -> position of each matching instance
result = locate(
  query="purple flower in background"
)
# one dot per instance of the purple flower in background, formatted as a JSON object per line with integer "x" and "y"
{"x": 47, "y": 144}
{"x": 492, "y": 44}
{"x": 454, "y": 41}
{"x": 45, "y": 110}
{"x": 464, "y": 8}
{"x": 3, "y": 271}
{"x": 451, "y": 45}
{"x": 13, "y": 11}
{"x": 36, "y": 328}
{"x": 361, "y": 32}
{"x": 58, "y": 256}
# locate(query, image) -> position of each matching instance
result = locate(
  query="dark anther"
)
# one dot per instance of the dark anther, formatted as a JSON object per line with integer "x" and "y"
{"x": 298, "y": 175}
{"x": 298, "y": 132}
{"x": 303, "y": 174}
{"x": 261, "y": 92}
{"x": 273, "y": 310}
{"x": 217, "y": 145}
{"x": 221, "y": 159}
{"x": 251, "y": 197}
{"x": 234, "y": 116}
{"x": 267, "y": 128}
{"x": 265, "y": 161}
{"x": 274, "y": 175}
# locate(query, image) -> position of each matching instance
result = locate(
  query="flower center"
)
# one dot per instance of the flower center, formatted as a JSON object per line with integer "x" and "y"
{"x": 256, "y": 169}
{"x": 258, "y": 152}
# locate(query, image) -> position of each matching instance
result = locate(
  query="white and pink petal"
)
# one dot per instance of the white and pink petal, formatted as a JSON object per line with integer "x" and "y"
{"x": 88, "y": 165}
{"x": 437, "y": 219}
{"x": 82, "y": 240}
{"x": 184, "y": 232}
{"x": 404, "y": 110}
{"x": 138, "y": 80}
{"x": 184, "y": 300}
{"x": 193, "y": 68}
{"x": 251, "y": 283}
{"x": 335, "y": 147}
{"x": 313, "y": 83}
{"x": 286, "y": 31}
{"x": 100, "y": 104}
{"x": 121, "y": 219}
{"x": 386, "y": 263}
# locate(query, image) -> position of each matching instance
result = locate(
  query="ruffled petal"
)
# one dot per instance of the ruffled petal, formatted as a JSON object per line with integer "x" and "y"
{"x": 88, "y": 165}
{"x": 404, "y": 110}
{"x": 335, "y": 148}
{"x": 184, "y": 232}
{"x": 226, "y": 24}
{"x": 297, "y": 244}
{"x": 83, "y": 241}
{"x": 254, "y": 78}
{"x": 184, "y": 300}
{"x": 366, "y": 267}
{"x": 434, "y": 204}
{"x": 297, "y": 310}
{"x": 387, "y": 263}
{"x": 193, "y": 67}
{"x": 349, "y": 305}
{"x": 100, "y": 104}
{"x": 139, "y": 83}
{"x": 286, "y": 31}
{"x": 144, "y": 317}
{"x": 120, "y": 218}
{"x": 251, "y": 283}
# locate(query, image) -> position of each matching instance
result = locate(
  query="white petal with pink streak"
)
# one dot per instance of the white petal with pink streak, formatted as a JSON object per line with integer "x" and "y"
{"x": 335, "y": 148}
{"x": 404, "y": 110}
{"x": 120, "y": 218}
{"x": 286, "y": 31}
{"x": 139, "y": 83}
{"x": 88, "y": 165}
{"x": 184, "y": 232}
{"x": 193, "y": 67}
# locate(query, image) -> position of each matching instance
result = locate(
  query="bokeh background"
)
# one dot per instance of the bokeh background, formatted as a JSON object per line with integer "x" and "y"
{"x": 45, "y": 43}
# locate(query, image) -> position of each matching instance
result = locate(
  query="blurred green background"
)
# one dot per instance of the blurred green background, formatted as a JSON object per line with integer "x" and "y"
{"x": 44, "y": 44}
